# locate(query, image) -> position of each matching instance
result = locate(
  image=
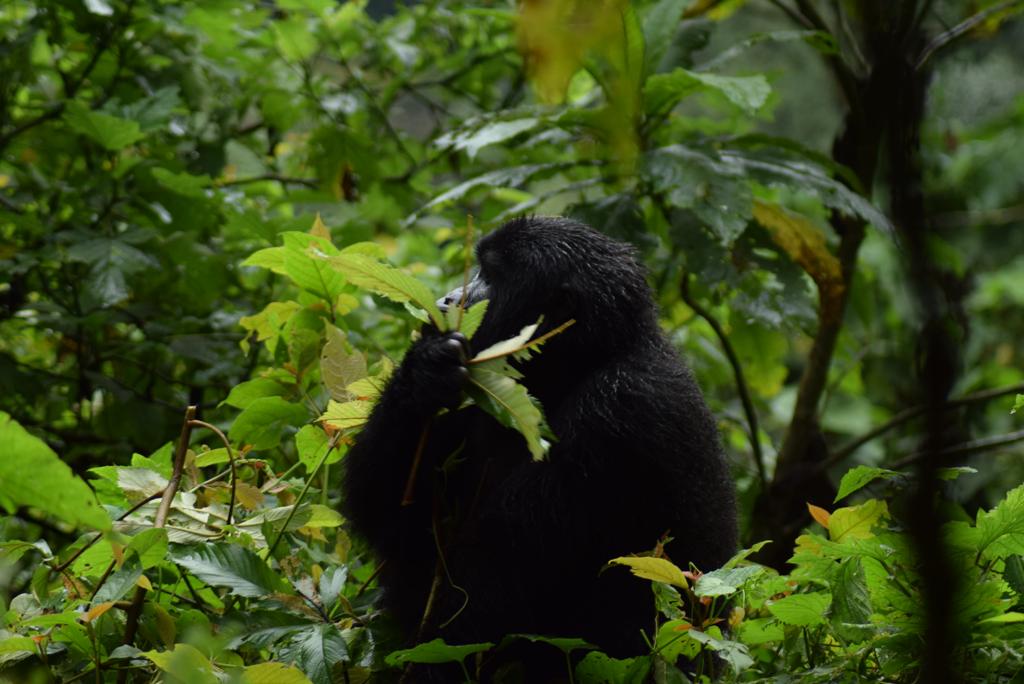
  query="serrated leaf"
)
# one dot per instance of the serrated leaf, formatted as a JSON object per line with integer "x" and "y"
{"x": 435, "y": 652}
{"x": 346, "y": 415}
{"x": 861, "y": 476}
{"x": 655, "y": 569}
{"x": 506, "y": 347}
{"x": 1001, "y": 530}
{"x": 472, "y": 318}
{"x": 237, "y": 568}
{"x": 321, "y": 650}
{"x": 111, "y": 132}
{"x": 803, "y": 610}
{"x": 31, "y": 474}
{"x": 389, "y": 282}
{"x": 725, "y": 582}
{"x": 509, "y": 403}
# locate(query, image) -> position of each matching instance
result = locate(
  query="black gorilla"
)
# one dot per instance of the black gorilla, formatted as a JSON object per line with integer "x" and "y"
{"x": 524, "y": 543}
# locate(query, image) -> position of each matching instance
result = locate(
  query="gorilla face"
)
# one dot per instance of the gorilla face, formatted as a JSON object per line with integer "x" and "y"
{"x": 559, "y": 269}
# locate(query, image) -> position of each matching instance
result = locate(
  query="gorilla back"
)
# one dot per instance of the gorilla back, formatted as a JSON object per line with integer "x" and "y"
{"x": 523, "y": 543}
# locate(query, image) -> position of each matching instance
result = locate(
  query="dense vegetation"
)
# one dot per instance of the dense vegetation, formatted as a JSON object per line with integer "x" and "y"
{"x": 195, "y": 202}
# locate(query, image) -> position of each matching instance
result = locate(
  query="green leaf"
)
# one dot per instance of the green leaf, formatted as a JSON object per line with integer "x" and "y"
{"x": 237, "y": 568}
{"x": 119, "y": 582}
{"x": 491, "y": 133}
{"x": 294, "y": 38}
{"x": 185, "y": 665}
{"x": 851, "y": 602}
{"x": 855, "y": 522}
{"x": 802, "y": 610}
{"x": 654, "y": 569}
{"x": 725, "y": 582}
{"x": 389, "y": 282}
{"x": 1001, "y": 530}
{"x": 347, "y": 415}
{"x": 660, "y": 25}
{"x": 111, "y": 132}
{"x": 760, "y": 631}
{"x": 861, "y": 476}
{"x": 598, "y": 668}
{"x": 273, "y": 673}
{"x": 434, "y": 652}
{"x": 509, "y": 403}
{"x": 150, "y": 546}
{"x": 322, "y": 652}
{"x": 184, "y": 184}
{"x": 306, "y": 265}
{"x": 31, "y": 474}
{"x": 663, "y": 91}
{"x": 507, "y": 177}
{"x": 472, "y": 318}
{"x": 733, "y": 653}
{"x": 264, "y": 421}
{"x": 1018, "y": 403}
{"x": 270, "y": 258}
{"x": 244, "y": 394}
{"x": 310, "y": 442}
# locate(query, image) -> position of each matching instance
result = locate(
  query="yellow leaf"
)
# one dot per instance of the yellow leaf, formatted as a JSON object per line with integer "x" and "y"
{"x": 350, "y": 414}
{"x": 655, "y": 569}
{"x": 96, "y": 611}
{"x": 248, "y": 496}
{"x": 819, "y": 514}
{"x": 320, "y": 229}
{"x": 798, "y": 237}
{"x": 165, "y": 626}
{"x": 855, "y": 522}
{"x": 144, "y": 582}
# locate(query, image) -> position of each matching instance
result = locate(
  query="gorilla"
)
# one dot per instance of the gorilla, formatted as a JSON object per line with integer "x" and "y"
{"x": 498, "y": 543}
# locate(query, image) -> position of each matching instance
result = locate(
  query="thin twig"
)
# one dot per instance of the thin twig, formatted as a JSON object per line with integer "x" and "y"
{"x": 737, "y": 370}
{"x": 914, "y": 412}
{"x": 962, "y": 449}
{"x": 944, "y": 39}
{"x": 231, "y": 461}
{"x": 302, "y": 493}
{"x": 159, "y": 520}
{"x": 283, "y": 180}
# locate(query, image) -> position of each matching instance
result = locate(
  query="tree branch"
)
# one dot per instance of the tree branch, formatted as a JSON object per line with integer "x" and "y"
{"x": 943, "y": 40}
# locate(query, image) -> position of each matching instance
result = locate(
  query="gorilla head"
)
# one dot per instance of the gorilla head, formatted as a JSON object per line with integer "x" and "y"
{"x": 508, "y": 545}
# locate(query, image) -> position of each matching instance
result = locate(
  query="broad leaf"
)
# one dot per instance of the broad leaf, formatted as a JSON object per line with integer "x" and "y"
{"x": 655, "y": 569}
{"x": 435, "y": 652}
{"x": 389, "y": 282}
{"x": 31, "y": 474}
{"x": 508, "y": 402}
{"x": 803, "y": 610}
{"x": 237, "y": 568}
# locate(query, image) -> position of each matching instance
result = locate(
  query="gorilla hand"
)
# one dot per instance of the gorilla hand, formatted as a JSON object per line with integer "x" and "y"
{"x": 434, "y": 372}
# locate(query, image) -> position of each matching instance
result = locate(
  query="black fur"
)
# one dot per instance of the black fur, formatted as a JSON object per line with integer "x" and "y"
{"x": 637, "y": 455}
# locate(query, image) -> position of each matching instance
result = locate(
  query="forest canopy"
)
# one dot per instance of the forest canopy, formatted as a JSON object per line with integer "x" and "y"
{"x": 223, "y": 222}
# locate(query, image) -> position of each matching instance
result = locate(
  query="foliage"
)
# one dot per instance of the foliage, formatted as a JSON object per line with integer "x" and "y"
{"x": 196, "y": 197}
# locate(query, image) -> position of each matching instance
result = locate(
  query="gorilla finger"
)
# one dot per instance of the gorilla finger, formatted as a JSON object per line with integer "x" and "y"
{"x": 463, "y": 341}
{"x": 455, "y": 346}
